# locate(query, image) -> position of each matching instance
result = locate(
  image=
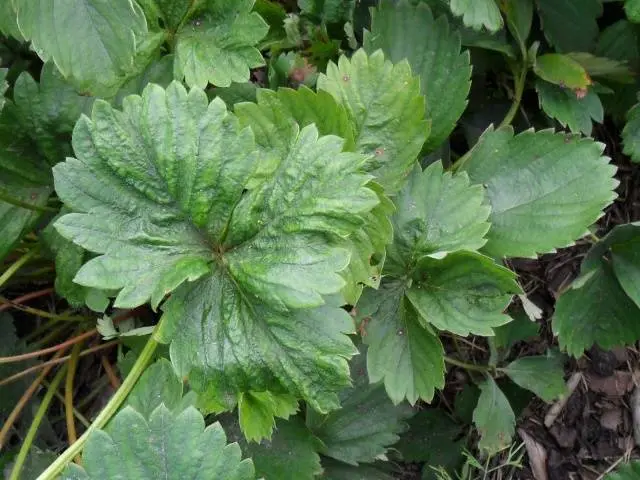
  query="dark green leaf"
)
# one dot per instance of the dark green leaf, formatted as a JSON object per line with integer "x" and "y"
{"x": 386, "y": 111}
{"x": 568, "y": 182}
{"x": 632, "y": 9}
{"x": 519, "y": 15}
{"x": 570, "y": 25}
{"x": 366, "y": 425}
{"x": 631, "y": 134}
{"x": 605, "y": 68}
{"x": 217, "y": 45}
{"x": 582, "y": 319}
{"x": 564, "y": 105}
{"x": 445, "y": 71}
{"x": 329, "y": 11}
{"x": 172, "y": 446}
{"x": 291, "y": 454}
{"x": 493, "y": 418}
{"x": 335, "y": 470}
{"x": 630, "y": 471}
{"x": 543, "y": 375}
{"x": 402, "y": 353}
{"x": 257, "y": 412}
{"x": 519, "y": 329}
{"x": 158, "y": 385}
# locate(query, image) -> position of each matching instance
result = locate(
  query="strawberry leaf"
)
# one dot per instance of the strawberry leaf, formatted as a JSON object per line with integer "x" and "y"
{"x": 98, "y": 52}
{"x": 478, "y": 13}
{"x": 630, "y": 471}
{"x": 173, "y": 171}
{"x": 570, "y": 25}
{"x": 330, "y": 11}
{"x": 493, "y": 417}
{"x": 555, "y": 208}
{"x": 570, "y": 111}
{"x": 217, "y": 44}
{"x": 543, "y": 375}
{"x": 631, "y": 134}
{"x": 257, "y": 412}
{"x": 366, "y": 425}
{"x": 165, "y": 446}
{"x": 444, "y": 71}
{"x": 386, "y": 111}
{"x": 158, "y": 385}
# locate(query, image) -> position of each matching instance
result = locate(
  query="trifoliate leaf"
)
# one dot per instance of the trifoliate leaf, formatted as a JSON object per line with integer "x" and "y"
{"x": 257, "y": 412}
{"x": 386, "y": 111}
{"x": 631, "y": 134}
{"x": 493, "y": 417}
{"x": 444, "y": 71}
{"x": 570, "y": 25}
{"x": 48, "y": 111}
{"x": 561, "y": 70}
{"x": 437, "y": 213}
{"x": 543, "y": 375}
{"x": 217, "y": 44}
{"x": 291, "y": 454}
{"x": 172, "y": 208}
{"x": 534, "y": 212}
{"x": 582, "y": 319}
{"x": 632, "y": 9}
{"x": 463, "y": 293}
{"x": 97, "y": 53}
{"x": 402, "y": 353}
{"x": 336, "y": 470}
{"x": 366, "y": 425}
{"x": 432, "y": 438}
{"x": 166, "y": 446}
{"x": 519, "y": 15}
{"x": 568, "y": 109}
{"x": 478, "y": 13}
{"x": 630, "y": 471}
{"x": 158, "y": 385}
{"x": 329, "y": 11}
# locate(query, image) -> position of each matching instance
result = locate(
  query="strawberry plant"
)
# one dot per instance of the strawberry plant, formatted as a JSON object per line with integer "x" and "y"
{"x": 292, "y": 226}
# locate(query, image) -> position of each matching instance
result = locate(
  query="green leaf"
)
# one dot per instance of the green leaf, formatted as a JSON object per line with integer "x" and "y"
{"x": 464, "y": 293}
{"x": 630, "y": 471}
{"x": 217, "y": 45}
{"x": 3, "y": 86}
{"x": 437, "y": 213}
{"x": 37, "y": 462}
{"x": 631, "y": 134}
{"x": 264, "y": 258}
{"x": 158, "y": 385}
{"x": 432, "y": 438}
{"x": 619, "y": 41}
{"x": 494, "y": 418}
{"x": 335, "y": 470}
{"x": 557, "y": 206}
{"x": 291, "y": 454}
{"x": 570, "y": 111}
{"x": 257, "y": 412}
{"x": 171, "y": 13}
{"x": 570, "y": 25}
{"x": 158, "y": 71}
{"x": 445, "y": 72}
{"x": 10, "y": 345}
{"x": 329, "y": 11}
{"x": 561, "y": 70}
{"x": 543, "y": 375}
{"x": 478, "y": 13}
{"x": 582, "y": 319}
{"x": 517, "y": 330}
{"x": 366, "y": 425}
{"x": 92, "y": 42}
{"x": 406, "y": 356}
{"x": 606, "y": 68}
{"x": 48, "y": 110}
{"x": 166, "y": 446}
{"x": 632, "y": 9}
{"x": 8, "y": 20}
{"x": 386, "y": 111}
{"x": 519, "y": 15}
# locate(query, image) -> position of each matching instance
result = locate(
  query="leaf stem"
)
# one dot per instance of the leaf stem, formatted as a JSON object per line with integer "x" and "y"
{"x": 37, "y": 420}
{"x": 520, "y": 81}
{"x": 41, "y": 313}
{"x": 27, "y": 297}
{"x": 17, "y": 265}
{"x": 5, "y": 197}
{"x": 467, "y": 366}
{"x": 105, "y": 415}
